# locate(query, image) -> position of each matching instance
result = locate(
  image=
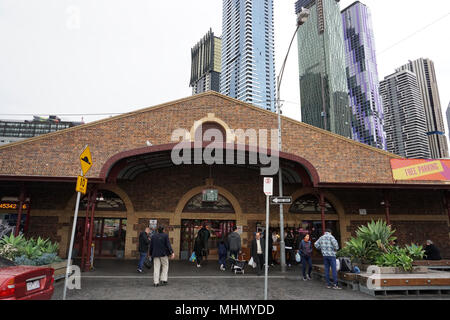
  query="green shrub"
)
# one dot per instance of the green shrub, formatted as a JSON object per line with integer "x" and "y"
{"x": 397, "y": 259}
{"x": 415, "y": 252}
{"x": 29, "y": 252}
{"x": 360, "y": 251}
{"x": 24, "y": 261}
{"x": 373, "y": 244}
{"x": 15, "y": 242}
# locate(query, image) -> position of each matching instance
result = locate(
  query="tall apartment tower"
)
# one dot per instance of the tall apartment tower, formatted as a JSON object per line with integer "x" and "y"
{"x": 206, "y": 59}
{"x": 323, "y": 82}
{"x": 362, "y": 76}
{"x": 248, "y": 58}
{"x": 405, "y": 122}
{"x": 426, "y": 76}
{"x": 448, "y": 116}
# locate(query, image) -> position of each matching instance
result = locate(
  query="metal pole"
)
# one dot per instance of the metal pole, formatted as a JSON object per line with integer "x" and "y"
{"x": 266, "y": 277}
{"x": 75, "y": 218}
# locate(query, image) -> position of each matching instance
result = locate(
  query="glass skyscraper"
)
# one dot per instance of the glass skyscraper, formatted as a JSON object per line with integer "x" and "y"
{"x": 248, "y": 61}
{"x": 323, "y": 82}
{"x": 362, "y": 76}
{"x": 205, "y": 64}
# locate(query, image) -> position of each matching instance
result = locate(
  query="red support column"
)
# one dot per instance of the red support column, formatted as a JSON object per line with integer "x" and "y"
{"x": 447, "y": 202}
{"x": 91, "y": 229}
{"x": 85, "y": 235}
{"x": 387, "y": 205}
{"x": 19, "y": 216}
{"x": 322, "y": 210}
{"x": 27, "y": 221}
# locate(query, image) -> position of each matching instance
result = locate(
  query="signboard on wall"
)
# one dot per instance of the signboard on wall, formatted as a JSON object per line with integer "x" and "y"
{"x": 420, "y": 170}
{"x": 153, "y": 224}
{"x": 210, "y": 195}
{"x": 11, "y": 205}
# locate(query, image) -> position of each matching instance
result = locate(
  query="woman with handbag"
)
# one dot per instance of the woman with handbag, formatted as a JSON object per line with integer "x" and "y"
{"x": 305, "y": 250}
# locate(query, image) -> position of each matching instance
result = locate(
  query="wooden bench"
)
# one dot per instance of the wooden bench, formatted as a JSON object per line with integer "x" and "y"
{"x": 443, "y": 265}
{"x": 345, "y": 279}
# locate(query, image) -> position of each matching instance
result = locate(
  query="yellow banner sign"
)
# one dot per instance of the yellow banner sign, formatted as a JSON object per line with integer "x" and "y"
{"x": 81, "y": 184}
{"x": 418, "y": 170}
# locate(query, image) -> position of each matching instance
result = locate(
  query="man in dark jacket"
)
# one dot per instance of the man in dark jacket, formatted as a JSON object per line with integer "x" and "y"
{"x": 289, "y": 247}
{"x": 144, "y": 242}
{"x": 160, "y": 250}
{"x": 234, "y": 243}
{"x": 204, "y": 236}
{"x": 432, "y": 252}
{"x": 257, "y": 250}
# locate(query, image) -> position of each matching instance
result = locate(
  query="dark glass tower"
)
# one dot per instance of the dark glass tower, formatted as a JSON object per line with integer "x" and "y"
{"x": 323, "y": 82}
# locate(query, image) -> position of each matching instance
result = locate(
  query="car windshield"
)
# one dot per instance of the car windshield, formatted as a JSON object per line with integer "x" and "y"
{"x": 6, "y": 263}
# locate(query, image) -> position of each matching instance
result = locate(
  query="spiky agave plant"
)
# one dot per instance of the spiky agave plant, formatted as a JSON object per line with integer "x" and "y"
{"x": 377, "y": 233}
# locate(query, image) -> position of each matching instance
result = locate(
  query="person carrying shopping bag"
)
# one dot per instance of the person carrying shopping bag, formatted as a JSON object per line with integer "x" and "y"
{"x": 305, "y": 250}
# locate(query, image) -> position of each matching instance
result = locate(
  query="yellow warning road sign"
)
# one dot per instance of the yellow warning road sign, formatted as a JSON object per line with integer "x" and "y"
{"x": 81, "y": 184}
{"x": 86, "y": 160}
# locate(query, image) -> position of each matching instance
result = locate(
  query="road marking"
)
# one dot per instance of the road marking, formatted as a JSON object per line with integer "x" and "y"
{"x": 182, "y": 277}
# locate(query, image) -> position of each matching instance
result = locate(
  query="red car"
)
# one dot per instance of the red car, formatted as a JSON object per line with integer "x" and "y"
{"x": 25, "y": 282}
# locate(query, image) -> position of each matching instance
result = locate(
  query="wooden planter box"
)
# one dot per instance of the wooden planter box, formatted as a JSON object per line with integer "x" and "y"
{"x": 393, "y": 270}
{"x": 60, "y": 269}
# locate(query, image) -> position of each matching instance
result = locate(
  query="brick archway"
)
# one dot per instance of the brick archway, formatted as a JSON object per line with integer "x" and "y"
{"x": 112, "y": 167}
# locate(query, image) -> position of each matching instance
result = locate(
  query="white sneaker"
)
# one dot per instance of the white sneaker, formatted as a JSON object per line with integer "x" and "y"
{"x": 198, "y": 266}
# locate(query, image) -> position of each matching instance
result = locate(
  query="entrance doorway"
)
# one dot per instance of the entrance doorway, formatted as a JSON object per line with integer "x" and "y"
{"x": 218, "y": 229}
{"x": 109, "y": 236}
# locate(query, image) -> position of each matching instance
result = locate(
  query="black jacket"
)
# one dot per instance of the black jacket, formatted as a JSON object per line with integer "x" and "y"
{"x": 204, "y": 235}
{"x": 144, "y": 242}
{"x": 290, "y": 240}
{"x": 198, "y": 247}
{"x": 160, "y": 246}
{"x": 254, "y": 249}
{"x": 432, "y": 252}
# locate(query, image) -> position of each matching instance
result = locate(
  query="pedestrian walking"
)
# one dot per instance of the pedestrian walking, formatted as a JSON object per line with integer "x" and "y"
{"x": 257, "y": 252}
{"x": 289, "y": 247}
{"x": 329, "y": 246}
{"x": 222, "y": 254}
{"x": 204, "y": 236}
{"x": 198, "y": 249}
{"x": 305, "y": 250}
{"x": 234, "y": 243}
{"x": 161, "y": 250}
{"x": 144, "y": 243}
{"x": 432, "y": 252}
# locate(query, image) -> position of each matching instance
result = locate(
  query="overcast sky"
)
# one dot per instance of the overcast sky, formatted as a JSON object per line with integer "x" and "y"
{"x": 115, "y": 56}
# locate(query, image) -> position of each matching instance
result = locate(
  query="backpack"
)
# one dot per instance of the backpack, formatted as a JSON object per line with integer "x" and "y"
{"x": 346, "y": 264}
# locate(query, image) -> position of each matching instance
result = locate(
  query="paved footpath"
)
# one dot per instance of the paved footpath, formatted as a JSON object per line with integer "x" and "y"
{"x": 119, "y": 280}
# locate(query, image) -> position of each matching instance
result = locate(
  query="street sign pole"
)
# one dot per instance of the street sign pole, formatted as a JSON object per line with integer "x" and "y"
{"x": 86, "y": 164}
{"x": 266, "y": 280}
{"x": 75, "y": 218}
{"x": 268, "y": 191}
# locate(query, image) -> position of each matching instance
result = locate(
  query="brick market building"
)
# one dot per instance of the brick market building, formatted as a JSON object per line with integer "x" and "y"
{"x": 133, "y": 181}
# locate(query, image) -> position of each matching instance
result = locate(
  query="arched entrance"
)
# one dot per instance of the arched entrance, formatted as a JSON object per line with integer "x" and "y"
{"x": 207, "y": 206}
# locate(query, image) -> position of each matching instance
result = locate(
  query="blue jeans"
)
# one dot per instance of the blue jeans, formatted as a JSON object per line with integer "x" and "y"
{"x": 306, "y": 260}
{"x": 142, "y": 256}
{"x": 330, "y": 262}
